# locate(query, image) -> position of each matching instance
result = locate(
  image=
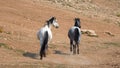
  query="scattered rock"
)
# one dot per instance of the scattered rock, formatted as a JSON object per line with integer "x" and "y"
{"x": 84, "y": 31}
{"x": 109, "y": 33}
{"x": 118, "y": 23}
{"x": 90, "y": 0}
{"x": 90, "y": 33}
{"x": 5, "y": 38}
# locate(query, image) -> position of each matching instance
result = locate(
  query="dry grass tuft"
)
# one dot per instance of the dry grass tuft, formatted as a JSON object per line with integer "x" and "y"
{"x": 1, "y": 29}
{"x": 118, "y": 14}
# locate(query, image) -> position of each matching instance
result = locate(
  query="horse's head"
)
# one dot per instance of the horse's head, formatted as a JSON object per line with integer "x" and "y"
{"x": 77, "y": 22}
{"x": 53, "y": 21}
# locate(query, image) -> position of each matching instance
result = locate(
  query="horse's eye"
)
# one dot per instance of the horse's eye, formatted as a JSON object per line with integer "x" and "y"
{"x": 79, "y": 26}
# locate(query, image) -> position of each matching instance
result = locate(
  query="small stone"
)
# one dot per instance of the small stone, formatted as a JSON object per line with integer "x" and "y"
{"x": 90, "y": 33}
{"x": 109, "y": 33}
{"x": 90, "y": 0}
{"x": 5, "y": 38}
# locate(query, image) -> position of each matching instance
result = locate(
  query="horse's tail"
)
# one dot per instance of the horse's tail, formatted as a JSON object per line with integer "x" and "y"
{"x": 77, "y": 35}
{"x": 44, "y": 45}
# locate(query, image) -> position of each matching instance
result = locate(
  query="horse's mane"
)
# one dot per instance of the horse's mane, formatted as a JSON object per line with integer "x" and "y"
{"x": 49, "y": 21}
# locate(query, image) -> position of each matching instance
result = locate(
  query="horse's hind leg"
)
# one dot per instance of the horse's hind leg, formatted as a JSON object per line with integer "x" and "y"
{"x": 77, "y": 48}
{"x": 71, "y": 45}
{"x": 44, "y": 54}
{"x": 46, "y": 50}
{"x": 41, "y": 56}
{"x": 74, "y": 49}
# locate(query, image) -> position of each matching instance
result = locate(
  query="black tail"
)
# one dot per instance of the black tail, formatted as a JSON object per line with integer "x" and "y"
{"x": 44, "y": 45}
{"x": 77, "y": 34}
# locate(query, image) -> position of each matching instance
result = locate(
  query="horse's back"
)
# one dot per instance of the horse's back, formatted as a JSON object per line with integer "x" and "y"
{"x": 41, "y": 34}
{"x": 74, "y": 31}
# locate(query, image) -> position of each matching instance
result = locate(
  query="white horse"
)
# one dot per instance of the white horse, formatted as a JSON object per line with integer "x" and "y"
{"x": 45, "y": 35}
{"x": 74, "y": 35}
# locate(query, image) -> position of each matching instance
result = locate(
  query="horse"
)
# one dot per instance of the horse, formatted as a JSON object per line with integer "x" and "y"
{"x": 74, "y": 35}
{"x": 45, "y": 35}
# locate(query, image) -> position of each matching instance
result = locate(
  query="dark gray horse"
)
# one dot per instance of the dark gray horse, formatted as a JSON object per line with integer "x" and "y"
{"x": 74, "y": 35}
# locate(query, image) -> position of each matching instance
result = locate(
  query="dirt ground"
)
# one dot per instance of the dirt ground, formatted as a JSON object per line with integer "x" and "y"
{"x": 19, "y": 47}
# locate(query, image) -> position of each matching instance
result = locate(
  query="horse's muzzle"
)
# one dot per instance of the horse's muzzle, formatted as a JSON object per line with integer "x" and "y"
{"x": 57, "y": 26}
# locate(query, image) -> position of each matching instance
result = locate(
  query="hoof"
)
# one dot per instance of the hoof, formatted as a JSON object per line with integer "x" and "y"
{"x": 40, "y": 58}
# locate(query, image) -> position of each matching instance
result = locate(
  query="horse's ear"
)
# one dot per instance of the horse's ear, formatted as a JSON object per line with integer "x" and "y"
{"x": 54, "y": 18}
{"x": 47, "y": 22}
{"x": 78, "y": 18}
{"x": 80, "y": 26}
{"x": 75, "y": 18}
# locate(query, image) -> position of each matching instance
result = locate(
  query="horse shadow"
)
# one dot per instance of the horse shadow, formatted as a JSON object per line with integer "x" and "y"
{"x": 31, "y": 55}
{"x": 35, "y": 56}
{"x": 60, "y": 52}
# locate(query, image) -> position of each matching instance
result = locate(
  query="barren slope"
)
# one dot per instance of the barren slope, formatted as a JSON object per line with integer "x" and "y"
{"x": 19, "y": 47}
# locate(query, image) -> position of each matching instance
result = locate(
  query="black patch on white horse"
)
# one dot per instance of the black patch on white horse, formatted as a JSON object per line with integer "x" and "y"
{"x": 44, "y": 46}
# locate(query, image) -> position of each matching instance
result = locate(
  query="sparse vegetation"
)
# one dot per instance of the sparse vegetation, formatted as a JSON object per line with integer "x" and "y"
{"x": 112, "y": 44}
{"x": 8, "y": 32}
{"x": 20, "y": 51}
{"x": 52, "y": 46}
{"x": 106, "y": 45}
{"x": 5, "y": 46}
{"x": 118, "y": 14}
{"x": 1, "y": 29}
{"x": 107, "y": 20}
{"x": 118, "y": 22}
{"x": 60, "y": 66}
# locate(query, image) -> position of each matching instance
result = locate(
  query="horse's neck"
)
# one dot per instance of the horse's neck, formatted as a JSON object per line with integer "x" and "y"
{"x": 77, "y": 25}
{"x": 48, "y": 27}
